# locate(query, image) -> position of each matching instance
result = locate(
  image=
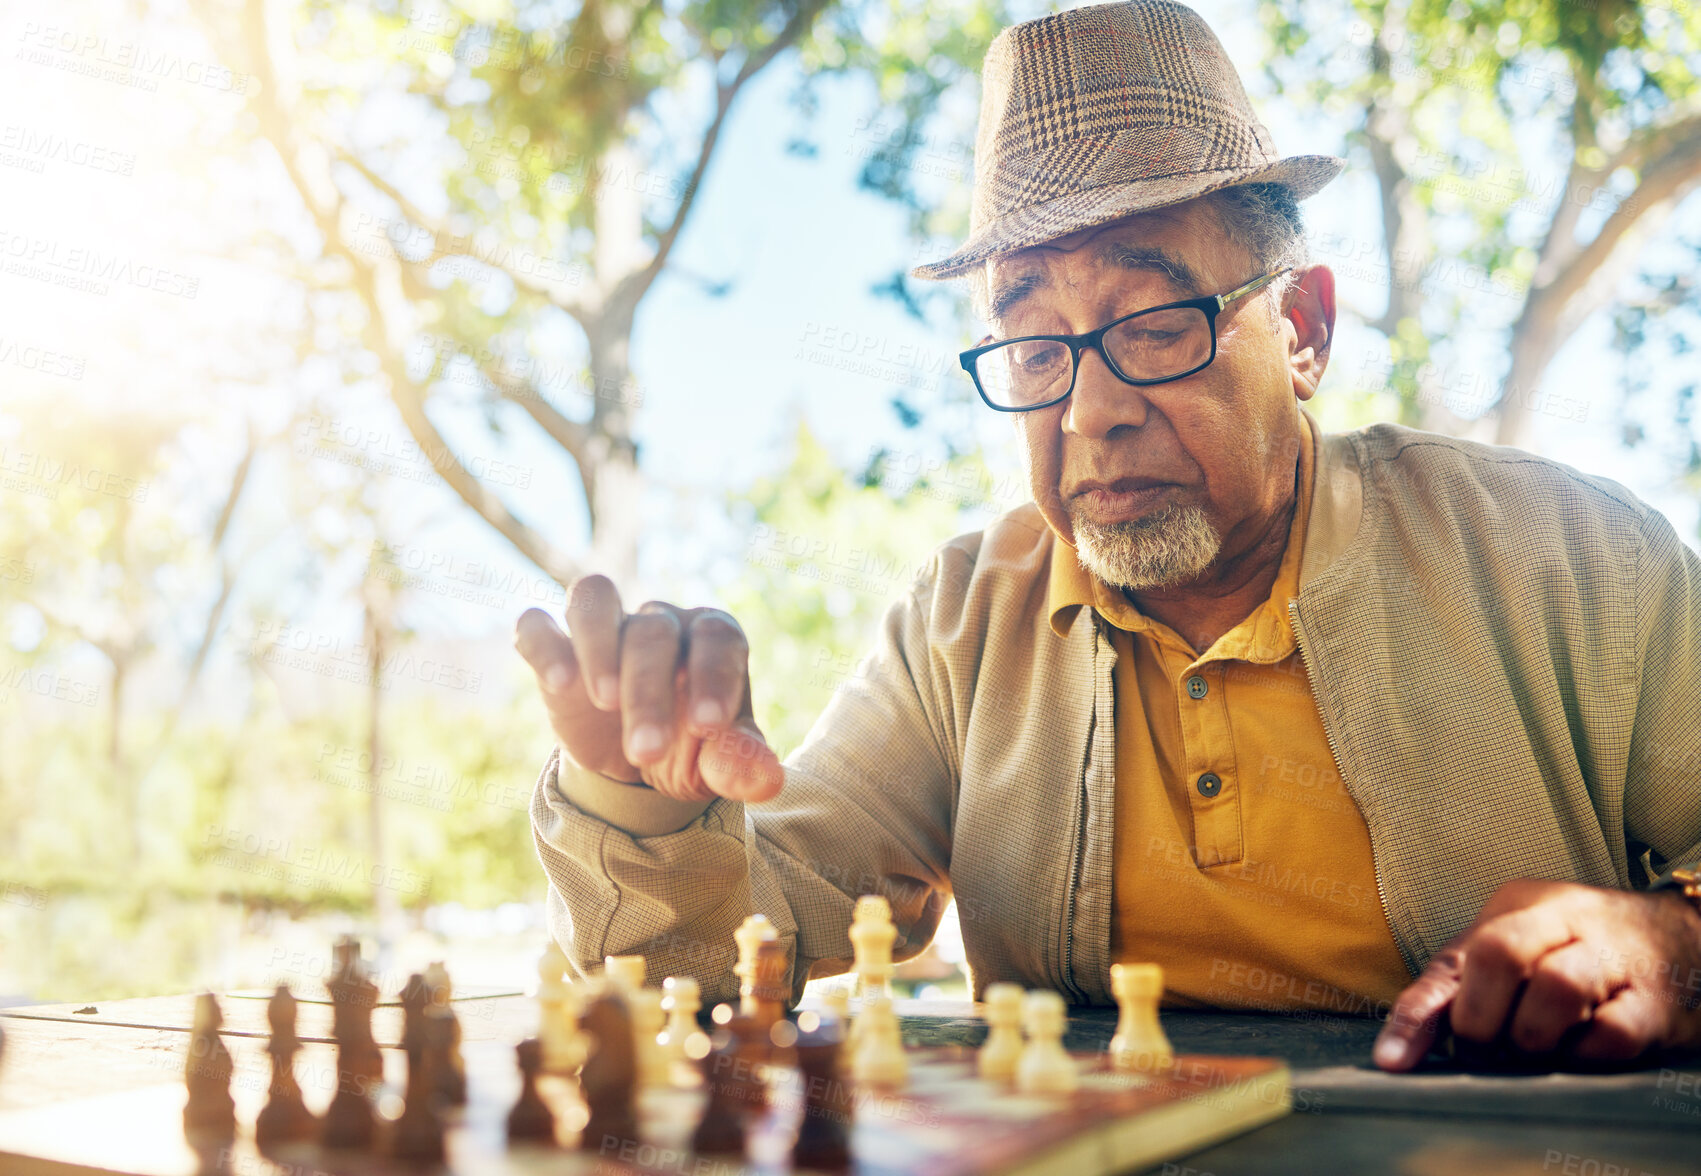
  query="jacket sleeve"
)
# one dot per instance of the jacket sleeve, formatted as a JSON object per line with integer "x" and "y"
{"x": 1662, "y": 795}
{"x": 865, "y": 809}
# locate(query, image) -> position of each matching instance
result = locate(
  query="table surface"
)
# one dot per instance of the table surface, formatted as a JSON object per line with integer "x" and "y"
{"x": 1347, "y": 1117}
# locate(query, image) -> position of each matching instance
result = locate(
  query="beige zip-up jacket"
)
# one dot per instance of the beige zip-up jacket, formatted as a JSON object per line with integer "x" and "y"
{"x": 1506, "y": 654}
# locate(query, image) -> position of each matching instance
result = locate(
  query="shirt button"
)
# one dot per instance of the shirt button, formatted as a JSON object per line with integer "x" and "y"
{"x": 1210, "y": 784}
{"x": 1197, "y": 687}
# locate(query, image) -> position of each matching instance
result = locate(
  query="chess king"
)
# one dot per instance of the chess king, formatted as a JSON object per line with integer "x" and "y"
{"x": 1376, "y": 722}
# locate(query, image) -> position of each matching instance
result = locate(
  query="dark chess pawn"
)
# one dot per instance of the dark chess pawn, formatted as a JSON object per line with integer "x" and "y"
{"x": 452, "y": 1072}
{"x": 721, "y": 1130}
{"x": 285, "y": 1118}
{"x": 531, "y": 1120}
{"x": 823, "y": 1134}
{"x": 209, "y": 1117}
{"x": 350, "y": 1122}
{"x": 610, "y": 1074}
{"x": 419, "y": 1132}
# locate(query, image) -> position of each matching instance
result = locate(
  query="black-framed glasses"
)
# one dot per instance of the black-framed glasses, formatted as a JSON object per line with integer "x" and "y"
{"x": 1152, "y": 346}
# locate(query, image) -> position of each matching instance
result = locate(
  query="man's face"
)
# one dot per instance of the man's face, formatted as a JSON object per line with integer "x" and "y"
{"x": 1153, "y": 484}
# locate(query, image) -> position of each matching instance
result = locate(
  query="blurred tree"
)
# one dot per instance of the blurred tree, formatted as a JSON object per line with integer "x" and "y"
{"x": 105, "y": 560}
{"x": 555, "y": 201}
{"x": 1526, "y": 153}
{"x": 828, "y": 553}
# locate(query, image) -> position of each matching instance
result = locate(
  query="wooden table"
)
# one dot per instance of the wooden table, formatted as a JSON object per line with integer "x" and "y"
{"x": 1347, "y": 1117}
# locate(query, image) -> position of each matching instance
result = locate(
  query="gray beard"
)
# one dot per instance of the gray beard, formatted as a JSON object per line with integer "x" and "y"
{"x": 1164, "y": 549}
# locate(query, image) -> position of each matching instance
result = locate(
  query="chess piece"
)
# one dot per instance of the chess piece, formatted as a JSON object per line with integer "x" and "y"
{"x": 531, "y": 1120}
{"x": 823, "y": 1134}
{"x": 558, "y": 1014}
{"x": 610, "y": 1074}
{"x": 721, "y": 1130}
{"x": 285, "y": 1118}
{"x": 419, "y": 1132}
{"x": 209, "y": 1116}
{"x": 1045, "y": 1068}
{"x": 648, "y": 1018}
{"x": 750, "y": 936}
{"x": 878, "y": 1059}
{"x": 681, "y": 1000}
{"x": 1002, "y": 1050}
{"x": 763, "y": 995}
{"x": 872, "y": 936}
{"x": 350, "y": 1122}
{"x": 1139, "y": 1044}
{"x": 627, "y": 973}
{"x": 835, "y": 1004}
{"x": 451, "y": 1068}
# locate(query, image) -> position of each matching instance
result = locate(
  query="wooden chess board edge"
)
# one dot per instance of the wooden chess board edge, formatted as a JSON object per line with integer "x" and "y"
{"x": 1167, "y": 1133}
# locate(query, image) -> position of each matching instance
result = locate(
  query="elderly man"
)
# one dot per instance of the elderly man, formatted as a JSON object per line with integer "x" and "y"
{"x": 1382, "y": 722}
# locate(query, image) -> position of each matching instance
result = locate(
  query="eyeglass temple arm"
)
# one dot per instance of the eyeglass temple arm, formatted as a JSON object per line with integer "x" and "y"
{"x": 1253, "y": 286}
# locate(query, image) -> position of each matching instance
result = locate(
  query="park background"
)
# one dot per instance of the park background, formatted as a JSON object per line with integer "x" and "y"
{"x": 334, "y": 335}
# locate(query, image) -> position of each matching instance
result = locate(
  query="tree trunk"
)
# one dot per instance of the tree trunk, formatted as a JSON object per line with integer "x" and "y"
{"x": 383, "y": 900}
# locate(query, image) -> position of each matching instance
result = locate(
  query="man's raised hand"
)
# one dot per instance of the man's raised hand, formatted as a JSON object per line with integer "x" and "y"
{"x": 660, "y": 696}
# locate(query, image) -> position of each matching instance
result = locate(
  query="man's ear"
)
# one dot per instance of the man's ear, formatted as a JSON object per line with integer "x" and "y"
{"x": 1311, "y": 310}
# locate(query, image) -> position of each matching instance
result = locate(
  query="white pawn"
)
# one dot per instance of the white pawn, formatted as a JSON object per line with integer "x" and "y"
{"x": 1139, "y": 1043}
{"x": 558, "y": 1013}
{"x": 998, "y": 1057}
{"x": 647, "y": 1021}
{"x": 682, "y": 1000}
{"x": 1045, "y": 1068}
{"x": 878, "y": 1056}
{"x": 626, "y": 972}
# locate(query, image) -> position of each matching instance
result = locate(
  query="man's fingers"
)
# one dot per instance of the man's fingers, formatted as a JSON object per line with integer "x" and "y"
{"x": 717, "y": 662}
{"x": 1415, "y": 1021}
{"x": 547, "y": 650}
{"x": 738, "y": 764}
{"x": 1500, "y": 955}
{"x": 593, "y": 618}
{"x": 649, "y": 663}
{"x": 1622, "y": 1028}
{"x": 1562, "y": 991}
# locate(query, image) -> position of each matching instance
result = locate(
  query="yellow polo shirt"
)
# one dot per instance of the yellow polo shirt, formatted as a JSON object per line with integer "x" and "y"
{"x": 1242, "y": 865}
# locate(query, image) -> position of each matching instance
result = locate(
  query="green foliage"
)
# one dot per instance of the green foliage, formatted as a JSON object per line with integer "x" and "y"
{"x": 829, "y": 552}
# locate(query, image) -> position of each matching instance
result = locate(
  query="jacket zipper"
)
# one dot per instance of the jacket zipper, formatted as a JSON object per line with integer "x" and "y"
{"x": 1334, "y": 752}
{"x": 1080, "y": 834}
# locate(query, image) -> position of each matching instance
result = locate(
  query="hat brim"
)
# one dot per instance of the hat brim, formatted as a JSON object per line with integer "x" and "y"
{"x": 1304, "y": 175}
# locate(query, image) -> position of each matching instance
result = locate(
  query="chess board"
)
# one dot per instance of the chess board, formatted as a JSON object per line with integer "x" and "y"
{"x": 946, "y": 1122}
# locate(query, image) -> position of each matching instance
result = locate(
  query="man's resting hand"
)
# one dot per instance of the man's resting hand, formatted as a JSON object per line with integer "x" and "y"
{"x": 660, "y": 696}
{"x": 1563, "y": 971}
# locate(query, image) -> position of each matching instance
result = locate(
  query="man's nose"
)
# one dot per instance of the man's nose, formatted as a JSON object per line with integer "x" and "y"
{"x": 1100, "y": 401}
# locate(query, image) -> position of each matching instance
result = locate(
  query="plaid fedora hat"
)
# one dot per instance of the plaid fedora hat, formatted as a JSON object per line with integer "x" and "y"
{"x": 1092, "y": 114}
